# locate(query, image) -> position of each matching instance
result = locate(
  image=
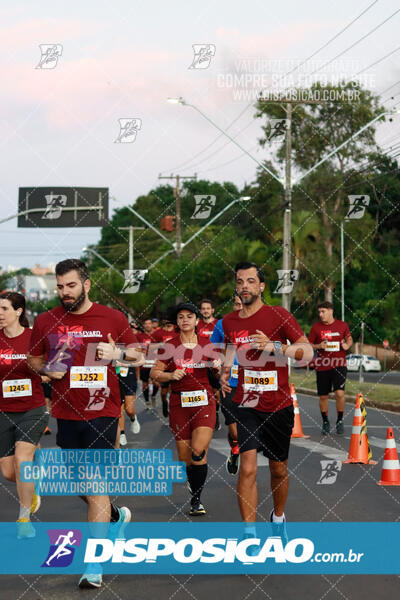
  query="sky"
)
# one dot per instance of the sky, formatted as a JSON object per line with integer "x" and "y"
{"x": 122, "y": 59}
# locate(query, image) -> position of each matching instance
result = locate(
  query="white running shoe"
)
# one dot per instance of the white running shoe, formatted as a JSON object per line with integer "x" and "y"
{"x": 122, "y": 439}
{"x": 135, "y": 426}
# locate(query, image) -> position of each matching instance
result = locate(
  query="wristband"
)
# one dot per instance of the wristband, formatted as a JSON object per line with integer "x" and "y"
{"x": 123, "y": 355}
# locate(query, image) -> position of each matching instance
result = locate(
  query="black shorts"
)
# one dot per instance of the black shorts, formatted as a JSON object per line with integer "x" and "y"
{"x": 329, "y": 381}
{"x": 229, "y": 407}
{"x": 144, "y": 374}
{"x": 96, "y": 434}
{"x": 165, "y": 385}
{"x": 47, "y": 389}
{"x": 128, "y": 384}
{"x": 268, "y": 433}
{"x": 25, "y": 426}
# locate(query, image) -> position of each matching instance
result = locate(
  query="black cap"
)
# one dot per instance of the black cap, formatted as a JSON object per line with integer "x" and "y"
{"x": 187, "y": 306}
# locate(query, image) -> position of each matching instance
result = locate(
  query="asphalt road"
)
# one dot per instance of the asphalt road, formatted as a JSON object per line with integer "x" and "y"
{"x": 354, "y": 497}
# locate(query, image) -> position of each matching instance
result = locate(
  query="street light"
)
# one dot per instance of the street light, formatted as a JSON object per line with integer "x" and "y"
{"x": 180, "y": 100}
{"x": 287, "y": 183}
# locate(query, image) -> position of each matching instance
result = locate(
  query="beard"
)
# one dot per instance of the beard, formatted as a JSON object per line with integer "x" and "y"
{"x": 72, "y": 306}
{"x": 247, "y": 300}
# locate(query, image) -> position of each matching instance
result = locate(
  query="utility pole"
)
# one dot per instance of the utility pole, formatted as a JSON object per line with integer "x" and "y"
{"x": 287, "y": 217}
{"x": 131, "y": 229}
{"x": 177, "y": 192}
{"x": 287, "y": 105}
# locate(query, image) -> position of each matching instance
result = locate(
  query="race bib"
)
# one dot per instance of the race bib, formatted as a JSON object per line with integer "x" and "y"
{"x": 197, "y": 398}
{"x": 15, "y": 388}
{"x": 123, "y": 371}
{"x": 88, "y": 377}
{"x": 260, "y": 381}
{"x": 332, "y": 346}
{"x": 234, "y": 371}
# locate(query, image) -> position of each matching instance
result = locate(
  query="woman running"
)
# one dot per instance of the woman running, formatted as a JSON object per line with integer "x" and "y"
{"x": 192, "y": 404}
{"x": 23, "y": 416}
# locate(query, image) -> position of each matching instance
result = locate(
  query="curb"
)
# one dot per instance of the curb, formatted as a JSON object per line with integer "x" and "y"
{"x": 394, "y": 407}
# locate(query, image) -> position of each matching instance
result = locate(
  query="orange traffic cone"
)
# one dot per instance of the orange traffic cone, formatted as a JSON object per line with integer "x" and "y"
{"x": 297, "y": 431}
{"x": 391, "y": 467}
{"x": 360, "y": 451}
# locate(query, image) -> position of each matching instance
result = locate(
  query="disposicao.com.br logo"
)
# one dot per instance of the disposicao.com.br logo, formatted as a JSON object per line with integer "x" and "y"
{"x": 62, "y": 547}
{"x": 210, "y": 551}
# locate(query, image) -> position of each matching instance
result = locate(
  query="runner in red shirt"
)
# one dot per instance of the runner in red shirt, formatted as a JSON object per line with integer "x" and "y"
{"x": 331, "y": 338}
{"x": 162, "y": 335}
{"x": 23, "y": 415}
{"x": 147, "y": 340}
{"x": 192, "y": 404}
{"x": 208, "y": 322}
{"x": 75, "y": 345}
{"x": 259, "y": 334}
{"x": 205, "y": 330}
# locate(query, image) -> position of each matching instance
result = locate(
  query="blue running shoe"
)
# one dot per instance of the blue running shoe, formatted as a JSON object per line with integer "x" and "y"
{"x": 279, "y": 529}
{"x": 117, "y": 528}
{"x": 92, "y": 578}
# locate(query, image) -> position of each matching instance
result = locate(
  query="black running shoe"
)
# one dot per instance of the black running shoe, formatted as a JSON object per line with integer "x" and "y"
{"x": 197, "y": 509}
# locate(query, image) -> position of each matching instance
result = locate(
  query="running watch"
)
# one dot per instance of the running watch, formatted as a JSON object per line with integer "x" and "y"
{"x": 277, "y": 348}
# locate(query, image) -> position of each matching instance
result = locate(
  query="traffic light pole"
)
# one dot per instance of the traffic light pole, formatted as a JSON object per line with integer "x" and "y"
{"x": 177, "y": 193}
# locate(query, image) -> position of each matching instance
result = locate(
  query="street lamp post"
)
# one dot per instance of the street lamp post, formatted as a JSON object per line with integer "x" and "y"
{"x": 287, "y": 183}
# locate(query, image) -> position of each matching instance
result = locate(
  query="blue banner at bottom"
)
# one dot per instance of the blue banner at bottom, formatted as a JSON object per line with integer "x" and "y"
{"x": 208, "y": 548}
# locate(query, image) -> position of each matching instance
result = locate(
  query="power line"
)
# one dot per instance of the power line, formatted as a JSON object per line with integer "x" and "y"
{"x": 357, "y": 42}
{"x": 332, "y": 39}
{"x": 188, "y": 161}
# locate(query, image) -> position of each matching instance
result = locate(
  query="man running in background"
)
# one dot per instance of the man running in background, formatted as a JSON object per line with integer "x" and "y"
{"x": 205, "y": 329}
{"x": 75, "y": 345}
{"x": 161, "y": 336}
{"x": 146, "y": 339}
{"x": 227, "y": 404}
{"x": 208, "y": 321}
{"x": 331, "y": 338}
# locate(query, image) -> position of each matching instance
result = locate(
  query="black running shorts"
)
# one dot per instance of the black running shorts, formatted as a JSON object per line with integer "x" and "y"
{"x": 128, "y": 384}
{"x": 268, "y": 433}
{"x": 96, "y": 434}
{"x": 331, "y": 380}
{"x": 229, "y": 407}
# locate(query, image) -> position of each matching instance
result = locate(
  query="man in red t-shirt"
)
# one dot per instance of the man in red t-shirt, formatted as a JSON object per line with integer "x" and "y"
{"x": 331, "y": 338}
{"x": 75, "y": 345}
{"x": 161, "y": 336}
{"x": 205, "y": 330}
{"x": 206, "y": 325}
{"x": 147, "y": 341}
{"x": 259, "y": 333}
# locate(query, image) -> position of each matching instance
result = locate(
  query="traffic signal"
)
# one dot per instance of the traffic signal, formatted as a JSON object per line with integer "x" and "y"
{"x": 168, "y": 223}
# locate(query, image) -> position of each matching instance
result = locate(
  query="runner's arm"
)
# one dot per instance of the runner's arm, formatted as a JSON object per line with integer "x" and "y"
{"x": 158, "y": 373}
{"x": 37, "y": 364}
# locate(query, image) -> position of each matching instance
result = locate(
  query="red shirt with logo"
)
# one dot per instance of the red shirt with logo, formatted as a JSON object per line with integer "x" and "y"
{"x": 263, "y": 378}
{"x": 20, "y": 387}
{"x": 334, "y": 355}
{"x": 146, "y": 341}
{"x": 205, "y": 330}
{"x": 195, "y": 362}
{"x": 89, "y": 388}
{"x": 162, "y": 335}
